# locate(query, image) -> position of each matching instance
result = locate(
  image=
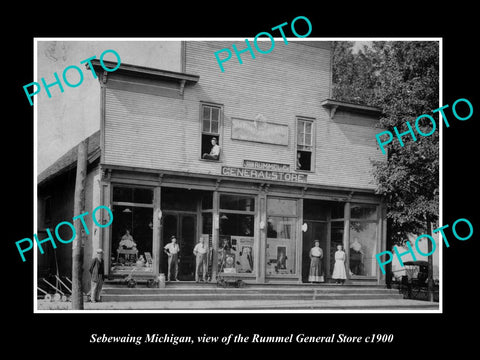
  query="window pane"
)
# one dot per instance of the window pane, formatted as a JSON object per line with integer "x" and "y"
{"x": 206, "y": 126}
{"x": 281, "y": 245}
{"x": 214, "y": 128}
{"x": 281, "y": 207}
{"x": 237, "y": 202}
{"x": 143, "y": 196}
{"x": 131, "y": 239}
{"x": 363, "y": 241}
{"x": 308, "y": 139}
{"x": 301, "y": 125}
{"x": 206, "y": 113}
{"x": 308, "y": 127}
{"x": 215, "y": 114}
{"x": 236, "y": 224}
{"x": 363, "y": 212}
{"x": 300, "y": 139}
{"x": 235, "y": 252}
{"x": 135, "y": 195}
{"x": 123, "y": 194}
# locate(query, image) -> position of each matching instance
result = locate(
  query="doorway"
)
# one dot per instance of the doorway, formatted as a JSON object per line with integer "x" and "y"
{"x": 316, "y": 230}
{"x": 184, "y": 227}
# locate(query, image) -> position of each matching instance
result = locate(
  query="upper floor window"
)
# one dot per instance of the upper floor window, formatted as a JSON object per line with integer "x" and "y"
{"x": 305, "y": 144}
{"x": 211, "y": 122}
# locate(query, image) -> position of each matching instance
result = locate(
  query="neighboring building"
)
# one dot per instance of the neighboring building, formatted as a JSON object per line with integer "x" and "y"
{"x": 293, "y": 166}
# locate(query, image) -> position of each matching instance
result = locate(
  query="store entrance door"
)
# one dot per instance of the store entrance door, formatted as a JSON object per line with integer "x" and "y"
{"x": 316, "y": 230}
{"x": 184, "y": 227}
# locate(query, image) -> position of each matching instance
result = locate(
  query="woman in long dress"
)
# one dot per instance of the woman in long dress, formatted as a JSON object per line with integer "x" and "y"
{"x": 339, "y": 273}
{"x": 316, "y": 255}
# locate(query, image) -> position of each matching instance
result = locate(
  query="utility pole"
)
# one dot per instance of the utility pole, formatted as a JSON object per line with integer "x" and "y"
{"x": 430, "y": 264}
{"x": 77, "y": 245}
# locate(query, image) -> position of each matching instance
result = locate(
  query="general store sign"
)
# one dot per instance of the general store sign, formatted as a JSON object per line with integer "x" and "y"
{"x": 263, "y": 174}
{"x": 262, "y": 165}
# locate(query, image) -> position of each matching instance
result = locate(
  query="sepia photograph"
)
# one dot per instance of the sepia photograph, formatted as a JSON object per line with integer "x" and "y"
{"x": 262, "y": 184}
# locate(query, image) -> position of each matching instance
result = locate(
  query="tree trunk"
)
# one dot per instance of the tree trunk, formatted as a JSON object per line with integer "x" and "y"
{"x": 430, "y": 265}
{"x": 78, "y": 242}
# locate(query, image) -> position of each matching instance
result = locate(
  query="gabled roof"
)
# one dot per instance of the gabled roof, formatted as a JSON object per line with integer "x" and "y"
{"x": 68, "y": 161}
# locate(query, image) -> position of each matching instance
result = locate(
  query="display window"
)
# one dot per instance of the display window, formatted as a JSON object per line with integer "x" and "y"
{"x": 281, "y": 236}
{"x": 363, "y": 240}
{"x": 131, "y": 245}
{"x": 236, "y": 243}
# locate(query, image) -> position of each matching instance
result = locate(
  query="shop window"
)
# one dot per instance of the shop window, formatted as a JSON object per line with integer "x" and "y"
{"x": 363, "y": 212}
{"x": 304, "y": 151}
{"x": 211, "y": 119}
{"x": 281, "y": 236}
{"x": 237, "y": 202}
{"x": 285, "y": 207}
{"x": 132, "y": 230}
{"x": 236, "y": 220}
{"x": 236, "y": 224}
{"x": 131, "y": 239}
{"x": 363, "y": 240}
{"x": 132, "y": 195}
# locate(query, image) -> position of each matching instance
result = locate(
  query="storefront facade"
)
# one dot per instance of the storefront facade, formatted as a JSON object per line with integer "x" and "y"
{"x": 255, "y": 231}
{"x": 293, "y": 167}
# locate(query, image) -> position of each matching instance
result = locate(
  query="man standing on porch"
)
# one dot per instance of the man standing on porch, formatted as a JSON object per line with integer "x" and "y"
{"x": 200, "y": 252}
{"x": 172, "y": 249}
{"x": 97, "y": 272}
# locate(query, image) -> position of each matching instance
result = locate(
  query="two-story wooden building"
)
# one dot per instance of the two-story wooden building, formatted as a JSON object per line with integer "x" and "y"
{"x": 294, "y": 166}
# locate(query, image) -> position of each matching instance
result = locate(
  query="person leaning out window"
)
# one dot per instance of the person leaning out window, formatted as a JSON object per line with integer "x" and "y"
{"x": 214, "y": 152}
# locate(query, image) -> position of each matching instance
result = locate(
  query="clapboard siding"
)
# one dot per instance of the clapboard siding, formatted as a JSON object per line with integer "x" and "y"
{"x": 157, "y": 132}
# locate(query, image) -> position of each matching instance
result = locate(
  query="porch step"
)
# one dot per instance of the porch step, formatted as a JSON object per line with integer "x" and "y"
{"x": 210, "y": 292}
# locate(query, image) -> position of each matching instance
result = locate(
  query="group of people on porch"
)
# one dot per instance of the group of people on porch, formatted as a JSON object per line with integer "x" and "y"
{"x": 316, "y": 269}
{"x": 172, "y": 250}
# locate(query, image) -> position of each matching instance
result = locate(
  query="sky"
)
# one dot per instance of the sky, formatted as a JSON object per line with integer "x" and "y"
{"x": 67, "y": 118}
{"x": 358, "y": 45}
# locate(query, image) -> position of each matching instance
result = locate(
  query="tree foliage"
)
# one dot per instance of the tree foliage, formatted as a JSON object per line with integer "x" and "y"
{"x": 400, "y": 78}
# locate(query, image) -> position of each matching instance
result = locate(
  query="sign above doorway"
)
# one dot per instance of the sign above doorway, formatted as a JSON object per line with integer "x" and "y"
{"x": 264, "y": 174}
